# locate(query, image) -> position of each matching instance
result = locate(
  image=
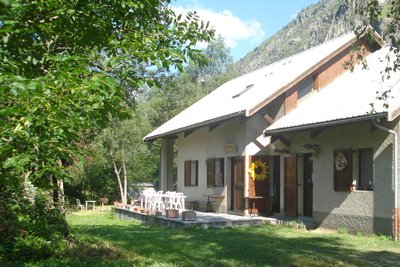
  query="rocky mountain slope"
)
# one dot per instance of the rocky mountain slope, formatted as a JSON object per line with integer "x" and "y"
{"x": 313, "y": 25}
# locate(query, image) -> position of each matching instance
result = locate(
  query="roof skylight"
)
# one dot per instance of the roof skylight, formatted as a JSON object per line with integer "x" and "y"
{"x": 248, "y": 87}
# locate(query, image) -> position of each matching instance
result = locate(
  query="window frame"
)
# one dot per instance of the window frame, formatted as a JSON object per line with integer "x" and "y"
{"x": 211, "y": 165}
{"x": 361, "y": 178}
{"x": 189, "y": 180}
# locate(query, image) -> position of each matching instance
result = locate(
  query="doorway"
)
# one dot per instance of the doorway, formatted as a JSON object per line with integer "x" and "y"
{"x": 237, "y": 184}
{"x": 290, "y": 186}
{"x": 308, "y": 184}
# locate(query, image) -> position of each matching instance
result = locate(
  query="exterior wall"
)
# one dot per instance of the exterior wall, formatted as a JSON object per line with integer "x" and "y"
{"x": 204, "y": 144}
{"x": 366, "y": 211}
{"x": 201, "y": 145}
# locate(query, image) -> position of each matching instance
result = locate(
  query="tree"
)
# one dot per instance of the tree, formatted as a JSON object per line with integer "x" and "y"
{"x": 195, "y": 81}
{"x": 386, "y": 13}
{"x": 66, "y": 65}
{"x": 123, "y": 146}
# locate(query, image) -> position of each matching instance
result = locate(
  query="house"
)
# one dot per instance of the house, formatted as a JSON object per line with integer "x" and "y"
{"x": 298, "y": 137}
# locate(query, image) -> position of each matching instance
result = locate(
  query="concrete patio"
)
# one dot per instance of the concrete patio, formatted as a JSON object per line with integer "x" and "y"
{"x": 212, "y": 219}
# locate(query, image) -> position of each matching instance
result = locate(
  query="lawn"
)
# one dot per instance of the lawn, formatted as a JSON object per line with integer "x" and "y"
{"x": 109, "y": 241}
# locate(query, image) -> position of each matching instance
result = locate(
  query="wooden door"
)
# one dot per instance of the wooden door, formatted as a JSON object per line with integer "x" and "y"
{"x": 290, "y": 186}
{"x": 308, "y": 184}
{"x": 276, "y": 161}
{"x": 238, "y": 184}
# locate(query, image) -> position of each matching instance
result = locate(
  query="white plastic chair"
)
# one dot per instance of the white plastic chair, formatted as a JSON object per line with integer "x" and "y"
{"x": 158, "y": 203}
{"x": 78, "y": 204}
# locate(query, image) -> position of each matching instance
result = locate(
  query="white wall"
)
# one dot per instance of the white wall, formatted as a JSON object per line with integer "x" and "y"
{"x": 203, "y": 144}
{"x": 378, "y": 203}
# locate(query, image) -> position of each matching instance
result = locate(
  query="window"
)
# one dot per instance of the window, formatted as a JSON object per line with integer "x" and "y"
{"x": 366, "y": 169}
{"x": 191, "y": 173}
{"x": 305, "y": 88}
{"x": 343, "y": 169}
{"x": 215, "y": 172}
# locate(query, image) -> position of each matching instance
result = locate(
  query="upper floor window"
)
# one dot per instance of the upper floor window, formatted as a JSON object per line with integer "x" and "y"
{"x": 305, "y": 88}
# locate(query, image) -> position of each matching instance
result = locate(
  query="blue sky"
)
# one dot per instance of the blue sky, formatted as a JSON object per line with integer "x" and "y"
{"x": 244, "y": 24}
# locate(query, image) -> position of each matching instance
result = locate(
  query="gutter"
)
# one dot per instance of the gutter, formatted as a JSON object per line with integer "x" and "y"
{"x": 310, "y": 126}
{"x": 152, "y": 137}
{"x": 395, "y": 166}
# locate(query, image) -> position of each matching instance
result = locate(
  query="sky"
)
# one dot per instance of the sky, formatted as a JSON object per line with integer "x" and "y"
{"x": 244, "y": 24}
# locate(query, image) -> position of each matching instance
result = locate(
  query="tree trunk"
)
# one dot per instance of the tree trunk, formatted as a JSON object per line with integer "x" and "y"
{"x": 61, "y": 196}
{"x": 125, "y": 184}
{"x": 117, "y": 172}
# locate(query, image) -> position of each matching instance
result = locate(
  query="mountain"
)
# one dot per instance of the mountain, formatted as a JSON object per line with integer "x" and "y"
{"x": 313, "y": 25}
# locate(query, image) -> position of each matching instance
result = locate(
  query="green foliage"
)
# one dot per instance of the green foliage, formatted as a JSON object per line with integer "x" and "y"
{"x": 180, "y": 91}
{"x": 94, "y": 175}
{"x": 128, "y": 243}
{"x": 30, "y": 230}
{"x": 389, "y": 15}
{"x": 67, "y": 66}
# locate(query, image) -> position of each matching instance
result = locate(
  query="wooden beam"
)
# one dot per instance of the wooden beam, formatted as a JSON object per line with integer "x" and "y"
{"x": 188, "y": 132}
{"x": 268, "y": 118}
{"x": 281, "y": 138}
{"x": 213, "y": 126}
{"x": 315, "y": 133}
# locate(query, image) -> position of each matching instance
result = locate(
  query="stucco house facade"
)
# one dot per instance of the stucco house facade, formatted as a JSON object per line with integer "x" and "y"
{"x": 298, "y": 137}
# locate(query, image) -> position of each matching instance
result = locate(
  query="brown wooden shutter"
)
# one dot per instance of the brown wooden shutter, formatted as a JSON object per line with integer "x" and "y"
{"x": 188, "y": 172}
{"x": 222, "y": 164}
{"x": 210, "y": 172}
{"x": 197, "y": 173}
{"x": 343, "y": 178}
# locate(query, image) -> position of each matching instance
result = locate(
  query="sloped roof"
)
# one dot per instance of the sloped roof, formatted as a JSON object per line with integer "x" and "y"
{"x": 347, "y": 98}
{"x": 246, "y": 94}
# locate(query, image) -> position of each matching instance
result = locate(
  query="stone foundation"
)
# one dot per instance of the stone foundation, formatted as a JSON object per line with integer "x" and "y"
{"x": 353, "y": 223}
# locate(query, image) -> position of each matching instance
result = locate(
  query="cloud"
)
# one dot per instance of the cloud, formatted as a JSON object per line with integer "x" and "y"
{"x": 229, "y": 26}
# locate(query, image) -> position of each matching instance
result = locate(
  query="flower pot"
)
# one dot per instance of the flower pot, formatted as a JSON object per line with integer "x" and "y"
{"x": 158, "y": 213}
{"x": 189, "y": 215}
{"x": 172, "y": 213}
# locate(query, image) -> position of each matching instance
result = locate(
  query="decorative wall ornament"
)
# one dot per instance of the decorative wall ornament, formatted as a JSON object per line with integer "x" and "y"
{"x": 315, "y": 148}
{"x": 340, "y": 161}
{"x": 259, "y": 170}
{"x": 230, "y": 148}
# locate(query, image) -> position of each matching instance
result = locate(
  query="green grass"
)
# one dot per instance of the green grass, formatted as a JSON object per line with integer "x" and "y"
{"x": 108, "y": 241}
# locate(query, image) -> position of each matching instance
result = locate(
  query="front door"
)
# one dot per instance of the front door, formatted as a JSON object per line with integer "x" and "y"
{"x": 290, "y": 186}
{"x": 238, "y": 184}
{"x": 308, "y": 184}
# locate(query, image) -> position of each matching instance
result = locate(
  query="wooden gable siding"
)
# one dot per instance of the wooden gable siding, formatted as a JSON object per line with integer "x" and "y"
{"x": 327, "y": 72}
{"x": 335, "y": 67}
{"x": 290, "y": 99}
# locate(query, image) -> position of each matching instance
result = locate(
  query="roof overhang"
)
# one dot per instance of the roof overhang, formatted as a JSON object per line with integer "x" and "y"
{"x": 195, "y": 126}
{"x": 367, "y": 32}
{"x": 325, "y": 124}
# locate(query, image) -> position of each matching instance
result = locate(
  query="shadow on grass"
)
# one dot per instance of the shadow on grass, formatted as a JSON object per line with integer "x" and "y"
{"x": 255, "y": 246}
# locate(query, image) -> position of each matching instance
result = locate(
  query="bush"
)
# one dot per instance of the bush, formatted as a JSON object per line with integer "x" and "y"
{"x": 30, "y": 231}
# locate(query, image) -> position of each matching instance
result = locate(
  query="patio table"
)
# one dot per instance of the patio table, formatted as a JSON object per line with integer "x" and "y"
{"x": 90, "y": 201}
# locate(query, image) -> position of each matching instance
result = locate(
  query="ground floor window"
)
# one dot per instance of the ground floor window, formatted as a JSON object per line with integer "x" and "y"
{"x": 345, "y": 176}
{"x": 366, "y": 169}
{"x": 191, "y": 173}
{"x": 215, "y": 172}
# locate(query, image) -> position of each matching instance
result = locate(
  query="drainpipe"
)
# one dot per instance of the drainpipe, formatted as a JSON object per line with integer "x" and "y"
{"x": 395, "y": 151}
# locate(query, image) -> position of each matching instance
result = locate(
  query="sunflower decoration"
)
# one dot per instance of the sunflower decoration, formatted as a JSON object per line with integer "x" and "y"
{"x": 258, "y": 170}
